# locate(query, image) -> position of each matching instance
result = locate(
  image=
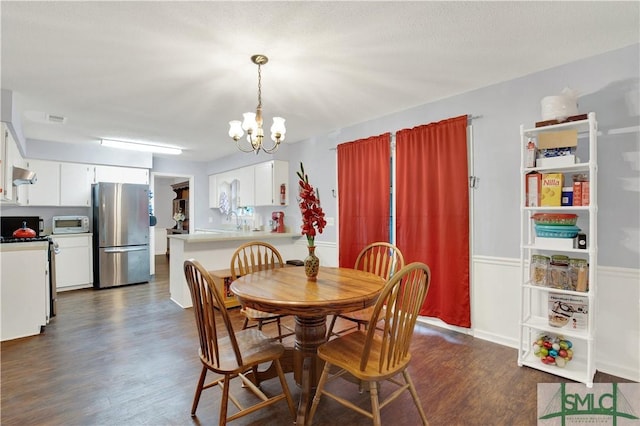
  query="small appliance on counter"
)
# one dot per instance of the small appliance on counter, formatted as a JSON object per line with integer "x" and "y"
{"x": 70, "y": 224}
{"x": 277, "y": 222}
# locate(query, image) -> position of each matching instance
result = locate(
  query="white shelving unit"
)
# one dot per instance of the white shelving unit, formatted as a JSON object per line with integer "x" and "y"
{"x": 534, "y": 305}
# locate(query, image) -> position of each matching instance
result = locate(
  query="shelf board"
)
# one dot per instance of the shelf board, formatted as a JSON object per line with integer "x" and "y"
{"x": 557, "y": 290}
{"x": 580, "y": 125}
{"x": 568, "y": 168}
{"x": 553, "y": 208}
{"x": 576, "y": 369}
{"x": 567, "y": 250}
{"x": 542, "y": 324}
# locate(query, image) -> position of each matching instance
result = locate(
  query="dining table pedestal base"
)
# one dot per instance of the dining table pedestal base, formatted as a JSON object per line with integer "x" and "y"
{"x": 311, "y": 332}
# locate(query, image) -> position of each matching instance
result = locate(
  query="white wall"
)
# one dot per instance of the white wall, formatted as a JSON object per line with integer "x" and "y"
{"x": 608, "y": 85}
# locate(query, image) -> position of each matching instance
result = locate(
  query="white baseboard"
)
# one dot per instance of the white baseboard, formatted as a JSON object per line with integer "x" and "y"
{"x": 495, "y": 312}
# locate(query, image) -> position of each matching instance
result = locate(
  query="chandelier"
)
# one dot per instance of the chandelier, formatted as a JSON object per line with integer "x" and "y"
{"x": 252, "y": 122}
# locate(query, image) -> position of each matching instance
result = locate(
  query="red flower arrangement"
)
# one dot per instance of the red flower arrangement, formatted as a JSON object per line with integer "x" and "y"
{"x": 312, "y": 214}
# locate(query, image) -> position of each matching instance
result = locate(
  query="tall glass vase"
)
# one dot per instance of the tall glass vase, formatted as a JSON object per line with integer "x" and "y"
{"x": 311, "y": 264}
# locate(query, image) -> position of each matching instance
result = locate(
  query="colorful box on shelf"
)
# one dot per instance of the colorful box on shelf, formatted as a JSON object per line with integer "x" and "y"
{"x": 532, "y": 189}
{"x": 551, "y": 189}
{"x": 568, "y": 311}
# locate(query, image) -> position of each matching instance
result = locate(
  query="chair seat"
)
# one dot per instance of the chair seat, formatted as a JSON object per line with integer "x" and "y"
{"x": 255, "y": 315}
{"x": 346, "y": 353}
{"x": 254, "y": 346}
{"x": 362, "y": 316}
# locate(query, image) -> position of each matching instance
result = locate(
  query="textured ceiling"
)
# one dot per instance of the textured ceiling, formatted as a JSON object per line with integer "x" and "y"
{"x": 175, "y": 73}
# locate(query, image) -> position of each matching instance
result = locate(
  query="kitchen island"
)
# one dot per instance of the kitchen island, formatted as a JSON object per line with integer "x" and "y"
{"x": 214, "y": 248}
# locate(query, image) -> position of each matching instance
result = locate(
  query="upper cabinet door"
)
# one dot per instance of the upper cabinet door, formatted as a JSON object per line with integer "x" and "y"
{"x": 46, "y": 190}
{"x": 75, "y": 184}
{"x": 269, "y": 178}
{"x": 245, "y": 186}
{"x": 121, "y": 175}
{"x": 10, "y": 157}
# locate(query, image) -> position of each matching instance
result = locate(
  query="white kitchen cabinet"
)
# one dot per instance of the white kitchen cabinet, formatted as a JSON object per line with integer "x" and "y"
{"x": 214, "y": 201}
{"x": 256, "y": 185}
{"x": 24, "y": 289}
{"x": 75, "y": 184}
{"x": 120, "y": 174}
{"x": 10, "y": 156}
{"x": 74, "y": 261}
{"x": 246, "y": 186}
{"x": 269, "y": 177}
{"x": 46, "y": 190}
{"x": 225, "y": 186}
{"x": 570, "y": 307}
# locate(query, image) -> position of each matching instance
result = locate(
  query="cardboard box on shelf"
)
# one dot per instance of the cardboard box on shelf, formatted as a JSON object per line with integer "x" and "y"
{"x": 532, "y": 190}
{"x": 568, "y": 311}
{"x": 585, "y": 193}
{"x": 562, "y": 160}
{"x": 559, "y": 139}
{"x": 551, "y": 189}
{"x": 577, "y": 193}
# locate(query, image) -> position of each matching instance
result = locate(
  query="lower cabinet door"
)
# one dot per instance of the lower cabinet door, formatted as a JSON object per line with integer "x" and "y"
{"x": 74, "y": 262}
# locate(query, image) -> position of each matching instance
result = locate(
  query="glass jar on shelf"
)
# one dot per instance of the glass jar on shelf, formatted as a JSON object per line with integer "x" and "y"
{"x": 559, "y": 272}
{"x": 539, "y": 274}
{"x": 578, "y": 273}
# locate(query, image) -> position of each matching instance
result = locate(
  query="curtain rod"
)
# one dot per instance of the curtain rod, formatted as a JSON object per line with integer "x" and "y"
{"x": 393, "y": 134}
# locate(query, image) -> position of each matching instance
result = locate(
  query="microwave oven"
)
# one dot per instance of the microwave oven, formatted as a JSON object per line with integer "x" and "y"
{"x": 70, "y": 224}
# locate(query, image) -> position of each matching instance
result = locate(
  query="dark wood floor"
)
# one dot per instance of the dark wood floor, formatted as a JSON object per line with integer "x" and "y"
{"x": 128, "y": 356}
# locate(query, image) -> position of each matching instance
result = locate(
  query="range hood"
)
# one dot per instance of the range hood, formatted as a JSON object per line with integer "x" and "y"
{"x": 23, "y": 176}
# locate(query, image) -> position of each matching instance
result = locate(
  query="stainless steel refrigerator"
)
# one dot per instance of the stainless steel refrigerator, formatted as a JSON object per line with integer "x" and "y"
{"x": 120, "y": 234}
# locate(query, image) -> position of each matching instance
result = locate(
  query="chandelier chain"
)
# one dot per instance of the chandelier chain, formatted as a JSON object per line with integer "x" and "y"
{"x": 259, "y": 86}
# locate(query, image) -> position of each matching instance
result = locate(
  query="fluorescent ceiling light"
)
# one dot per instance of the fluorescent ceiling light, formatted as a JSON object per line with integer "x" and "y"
{"x": 137, "y": 146}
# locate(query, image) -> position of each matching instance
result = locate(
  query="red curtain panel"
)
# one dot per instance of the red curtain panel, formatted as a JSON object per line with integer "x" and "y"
{"x": 363, "y": 195}
{"x": 432, "y": 223}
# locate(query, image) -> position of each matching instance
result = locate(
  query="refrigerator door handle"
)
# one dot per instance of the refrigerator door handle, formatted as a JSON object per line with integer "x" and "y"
{"x": 125, "y": 249}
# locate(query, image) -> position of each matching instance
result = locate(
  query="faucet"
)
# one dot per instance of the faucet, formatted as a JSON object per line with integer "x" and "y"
{"x": 231, "y": 213}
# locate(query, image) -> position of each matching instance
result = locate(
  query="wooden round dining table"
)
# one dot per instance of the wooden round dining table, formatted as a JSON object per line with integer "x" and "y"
{"x": 288, "y": 291}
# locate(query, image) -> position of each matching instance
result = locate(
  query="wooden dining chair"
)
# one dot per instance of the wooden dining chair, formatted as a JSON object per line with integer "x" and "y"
{"x": 380, "y": 258}
{"x": 252, "y": 257}
{"x": 373, "y": 356}
{"x": 231, "y": 354}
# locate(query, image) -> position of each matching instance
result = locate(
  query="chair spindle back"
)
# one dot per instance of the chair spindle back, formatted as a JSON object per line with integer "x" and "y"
{"x": 207, "y": 306}
{"x": 380, "y": 258}
{"x": 253, "y": 257}
{"x": 398, "y": 306}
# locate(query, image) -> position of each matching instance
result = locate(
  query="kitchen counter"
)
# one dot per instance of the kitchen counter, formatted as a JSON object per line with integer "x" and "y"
{"x": 205, "y": 236}
{"x": 214, "y": 248}
{"x": 24, "y": 286}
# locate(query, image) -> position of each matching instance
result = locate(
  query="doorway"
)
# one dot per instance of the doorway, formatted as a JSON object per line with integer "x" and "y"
{"x": 162, "y": 205}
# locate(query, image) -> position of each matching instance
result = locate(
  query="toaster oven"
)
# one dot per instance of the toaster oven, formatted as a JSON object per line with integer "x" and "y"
{"x": 70, "y": 224}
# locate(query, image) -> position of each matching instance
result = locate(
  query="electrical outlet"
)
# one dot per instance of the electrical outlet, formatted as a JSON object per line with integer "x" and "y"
{"x": 330, "y": 221}
{"x": 210, "y": 219}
